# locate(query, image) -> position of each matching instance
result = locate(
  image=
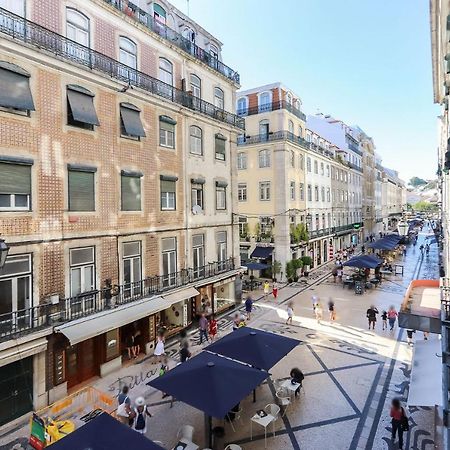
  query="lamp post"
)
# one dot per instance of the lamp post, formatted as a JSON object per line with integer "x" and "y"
{"x": 4, "y": 249}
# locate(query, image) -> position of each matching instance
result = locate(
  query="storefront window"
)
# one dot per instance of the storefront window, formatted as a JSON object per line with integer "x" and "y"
{"x": 112, "y": 344}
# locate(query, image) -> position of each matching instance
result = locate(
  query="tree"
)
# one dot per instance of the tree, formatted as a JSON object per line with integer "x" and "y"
{"x": 425, "y": 206}
{"x": 416, "y": 182}
{"x": 276, "y": 268}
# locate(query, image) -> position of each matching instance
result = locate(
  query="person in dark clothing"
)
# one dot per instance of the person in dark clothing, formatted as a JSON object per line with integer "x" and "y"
{"x": 363, "y": 249}
{"x": 372, "y": 316}
{"x": 248, "y": 307}
{"x": 398, "y": 416}
{"x": 185, "y": 354}
{"x": 297, "y": 377}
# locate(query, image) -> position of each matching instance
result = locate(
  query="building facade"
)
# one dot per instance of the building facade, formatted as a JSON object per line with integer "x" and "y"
{"x": 116, "y": 179}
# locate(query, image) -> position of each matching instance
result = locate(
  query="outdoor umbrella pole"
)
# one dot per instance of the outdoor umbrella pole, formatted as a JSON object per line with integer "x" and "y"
{"x": 254, "y": 395}
{"x": 208, "y": 431}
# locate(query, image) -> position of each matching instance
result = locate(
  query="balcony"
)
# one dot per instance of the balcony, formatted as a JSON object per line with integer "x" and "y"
{"x": 354, "y": 166}
{"x": 274, "y": 106}
{"x": 174, "y": 38}
{"x": 47, "y": 315}
{"x": 32, "y": 34}
{"x": 319, "y": 233}
{"x": 353, "y": 144}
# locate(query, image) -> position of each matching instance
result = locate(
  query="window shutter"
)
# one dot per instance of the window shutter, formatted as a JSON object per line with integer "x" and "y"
{"x": 81, "y": 191}
{"x": 168, "y": 186}
{"x": 15, "y": 179}
{"x": 131, "y": 193}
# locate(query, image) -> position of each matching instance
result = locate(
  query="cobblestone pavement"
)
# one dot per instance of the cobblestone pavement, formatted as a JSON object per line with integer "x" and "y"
{"x": 351, "y": 373}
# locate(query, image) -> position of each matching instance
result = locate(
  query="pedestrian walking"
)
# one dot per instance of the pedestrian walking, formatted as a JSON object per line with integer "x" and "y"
{"x": 212, "y": 327}
{"x": 425, "y": 335}
{"x": 129, "y": 344}
{"x": 363, "y": 249}
{"x": 404, "y": 250}
{"x": 124, "y": 411}
{"x": 266, "y": 288}
{"x": 236, "y": 321}
{"x": 203, "y": 328}
{"x": 275, "y": 290}
{"x": 248, "y": 307}
{"x": 137, "y": 344}
{"x": 314, "y": 300}
{"x": 421, "y": 249}
{"x": 334, "y": 273}
{"x": 331, "y": 310}
{"x": 159, "y": 348}
{"x": 184, "y": 340}
{"x": 384, "y": 319}
{"x": 290, "y": 313}
{"x": 409, "y": 336}
{"x": 399, "y": 421}
{"x": 372, "y": 316}
{"x": 427, "y": 249}
{"x": 319, "y": 312}
{"x": 392, "y": 316}
{"x": 340, "y": 272}
{"x": 141, "y": 413}
{"x": 185, "y": 353}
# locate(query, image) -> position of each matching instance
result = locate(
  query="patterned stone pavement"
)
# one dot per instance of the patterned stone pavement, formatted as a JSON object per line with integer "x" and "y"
{"x": 351, "y": 373}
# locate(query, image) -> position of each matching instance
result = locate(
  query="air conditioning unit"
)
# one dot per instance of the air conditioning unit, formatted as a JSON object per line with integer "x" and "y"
{"x": 53, "y": 299}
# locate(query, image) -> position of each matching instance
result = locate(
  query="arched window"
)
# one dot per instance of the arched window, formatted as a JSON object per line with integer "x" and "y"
{"x": 264, "y": 102}
{"x": 127, "y": 52}
{"x": 308, "y": 164}
{"x": 189, "y": 34}
{"x": 300, "y": 131}
{"x": 159, "y": 13}
{"x": 301, "y": 162}
{"x": 264, "y": 158}
{"x": 77, "y": 25}
{"x": 166, "y": 71}
{"x": 291, "y": 127}
{"x": 316, "y": 167}
{"x": 214, "y": 51}
{"x": 292, "y": 158}
{"x": 219, "y": 98}
{"x": 196, "y": 86}
{"x": 196, "y": 140}
{"x": 242, "y": 106}
{"x": 322, "y": 169}
{"x": 264, "y": 130}
{"x": 289, "y": 99}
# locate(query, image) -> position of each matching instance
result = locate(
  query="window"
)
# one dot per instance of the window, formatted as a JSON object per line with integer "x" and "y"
{"x": 242, "y": 160}
{"x": 322, "y": 192}
{"x": 292, "y": 190}
{"x": 167, "y": 132}
{"x": 221, "y": 246}
{"x": 264, "y": 158}
{"x": 131, "y": 190}
{"x": 242, "y": 106}
{"x": 301, "y": 162}
{"x": 82, "y": 270}
{"x": 302, "y": 191}
{"x": 16, "y": 291}
{"x": 214, "y": 51}
{"x": 196, "y": 140}
{"x": 128, "y": 57}
{"x": 15, "y": 92}
{"x": 328, "y": 195}
{"x": 316, "y": 193}
{"x": 15, "y": 184}
{"x": 132, "y": 268}
{"x": 165, "y": 74}
{"x": 322, "y": 169}
{"x": 308, "y": 164}
{"x": 243, "y": 227}
{"x": 169, "y": 261}
{"x": 264, "y": 190}
{"x": 130, "y": 122}
{"x": 221, "y": 195}
{"x": 197, "y": 195}
{"x": 77, "y": 29}
{"x": 266, "y": 225}
{"x": 291, "y": 127}
{"x": 316, "y": 167}
{"x": 81, "y": 188}
{"x": 309, "y": 193}
{"x": 198, "y": 255}
{"x": 328, "y": 170}
{"x": 264, "y": 102}
{"x": 220, "y": 146}
{"x": 219, "y": 98}
{"x": 264, "y": 130}
{"x": 308, "y": 137}
{"x": 196, "y": 86}
{"x": 300, "y": 131}
{"x": 242, "y": 192}
{"x": 289, "y": 99}
{"x": 292, "y": 158}
{"x": 168, "y": 192}
{"x": 159, "y": 13}
{"x": 80, "y": 107}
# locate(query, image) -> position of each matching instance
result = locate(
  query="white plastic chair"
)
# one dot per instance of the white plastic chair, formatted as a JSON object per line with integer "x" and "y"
{"x": 284, "y": 400}
{"x": 237, "y": 416}
{"x": 273, "y": 410}
{"x": 186, "y": 432}
{"x": 233, "y": 447}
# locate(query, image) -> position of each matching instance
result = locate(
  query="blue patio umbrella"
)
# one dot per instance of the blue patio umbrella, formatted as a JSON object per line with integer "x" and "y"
{"x": 386, "y": 243}
{"x": 362, "y": 262}
{"x": 256, "y": 266}
{"x": 104, "y": 433}
{"x": 258, "y": 348}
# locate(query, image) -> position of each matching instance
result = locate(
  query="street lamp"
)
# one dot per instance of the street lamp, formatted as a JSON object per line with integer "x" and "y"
{"x": 4, "y": 249}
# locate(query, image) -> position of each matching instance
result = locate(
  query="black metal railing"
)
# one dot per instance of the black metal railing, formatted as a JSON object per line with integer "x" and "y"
{"x": 133, "y": 11}
{"x": 319, "y": 233}
{"x": 88, "y": 303}
{"x": 274, "y": 106}
{"x": 353, "y": 145}
{"x": 354, "y": 166}
{"x": 59, "y": 46}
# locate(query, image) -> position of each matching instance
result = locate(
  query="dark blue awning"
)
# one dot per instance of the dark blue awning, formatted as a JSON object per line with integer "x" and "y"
{"x": 256, "y": 266}
{"x": 261, "y": 252}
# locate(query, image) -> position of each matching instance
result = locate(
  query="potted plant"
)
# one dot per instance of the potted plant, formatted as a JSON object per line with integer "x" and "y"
{"x": 276, "y": 268}
{"x": 298, "y": 264}
{"x": 258, "y": 232}
{"x": 306, "y": 260}
{"x": 290, "y": 271}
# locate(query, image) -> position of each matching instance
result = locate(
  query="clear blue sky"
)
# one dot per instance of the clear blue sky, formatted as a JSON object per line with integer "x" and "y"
{"x": 363, "y": 61}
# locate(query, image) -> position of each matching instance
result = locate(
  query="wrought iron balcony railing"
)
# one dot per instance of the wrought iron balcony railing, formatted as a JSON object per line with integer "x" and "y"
{"x": 274, "y": 106}
{"x": 132, "y": 10}
{"x": 354, "y": 166}
{"x": 353, "y": 145}
{"x": 30, "y": 33}
{"x": 319, "y": 233}
{"x": 47, "y": 315}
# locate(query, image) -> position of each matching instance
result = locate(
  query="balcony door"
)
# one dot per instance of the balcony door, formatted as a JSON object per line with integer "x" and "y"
{"x": 132, "y": 269}
{"x": 9, "y": 22}
{"x": 264, "y": 130}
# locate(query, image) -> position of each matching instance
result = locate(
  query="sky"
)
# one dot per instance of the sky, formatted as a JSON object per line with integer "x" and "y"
{"x": 365, "y": 62}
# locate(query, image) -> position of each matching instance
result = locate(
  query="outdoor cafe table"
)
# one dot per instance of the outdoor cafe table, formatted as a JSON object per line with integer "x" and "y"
{"x": 289, "y": 386}
{"x": 184, "y": 444}
{"x": 348, "y": 282}
{"x": 264, "y": 422}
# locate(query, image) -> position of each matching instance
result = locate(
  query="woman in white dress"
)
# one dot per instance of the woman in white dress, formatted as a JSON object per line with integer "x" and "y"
{"x": 159, "y": 349}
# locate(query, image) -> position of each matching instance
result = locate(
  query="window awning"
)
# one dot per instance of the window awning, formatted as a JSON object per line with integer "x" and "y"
{"x": 88, "y": 327}
{"x": 81, "y": 103}
{"x": 21, "y": 351}
{"x": 181, "y": 295}
{"x": 261, "y": 252}
{"x": 131, "y": 120}
{"x": 425, "y": 387}
{"x": 15, "y": 89}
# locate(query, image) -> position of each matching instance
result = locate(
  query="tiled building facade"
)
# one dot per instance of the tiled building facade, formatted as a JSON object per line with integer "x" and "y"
{"x": 116, "y": 195}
